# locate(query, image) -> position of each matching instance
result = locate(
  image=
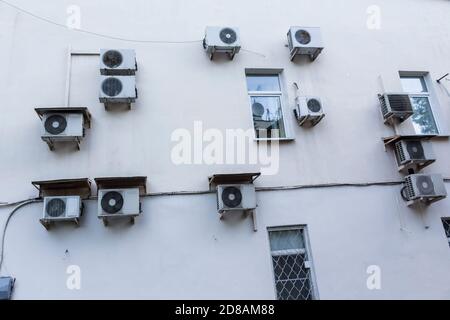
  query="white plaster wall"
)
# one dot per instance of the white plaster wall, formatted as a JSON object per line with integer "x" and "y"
{"x": 179, "y": 248}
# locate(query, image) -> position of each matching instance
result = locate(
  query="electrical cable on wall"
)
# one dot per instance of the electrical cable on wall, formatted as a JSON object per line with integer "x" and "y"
{"x": 13, "y": 211}
{"x": 258, "y": 189}
{"x": 20, "y": 204}
{"x": 91, "y": 32}
{"x": 97, "y": 34}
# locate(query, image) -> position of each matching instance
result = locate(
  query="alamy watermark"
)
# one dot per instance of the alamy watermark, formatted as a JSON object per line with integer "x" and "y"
{"x": 374, "y": 279}
{"x": 234, "y": 146}
{"x": 73, "y": 281}
{"x": 373, "y": 17}
{"x": 73, "y": 17}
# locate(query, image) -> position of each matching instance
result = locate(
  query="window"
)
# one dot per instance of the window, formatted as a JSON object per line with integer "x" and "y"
{"x": 446, "y": 223}
{"x": 291, "y": 264}
{"x": 423, "y": 118}
{"x": 266, "y": 101}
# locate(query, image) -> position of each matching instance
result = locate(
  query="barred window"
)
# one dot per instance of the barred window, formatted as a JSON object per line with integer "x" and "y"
{"x": 291, "y": 264}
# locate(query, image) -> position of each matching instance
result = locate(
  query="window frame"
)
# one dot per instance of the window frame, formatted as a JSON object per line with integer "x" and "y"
{"x": 429, "y": 94}
{"x": 281, "y": 94}
{"x": 307, "y": 250}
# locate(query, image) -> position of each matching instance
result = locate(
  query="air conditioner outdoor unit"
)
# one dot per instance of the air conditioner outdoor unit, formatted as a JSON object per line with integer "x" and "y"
{"x": 61, "y": 208}
{"x": 413, "y": 154}
{"x": 222, "y": 40}
{"x": 395, "y": 106}
{"x": 118, "y": 203}
{"x": 118, "y": 90}
{"x": 118, "y": 62}
{"x": 236, "y": 197}
{"x": 305, "y": 41}
{"x": 62, "y": 126}
{"x": 6, "y": 287}
{"x": 426, "y": 188}
{"x": 309, "y": 110}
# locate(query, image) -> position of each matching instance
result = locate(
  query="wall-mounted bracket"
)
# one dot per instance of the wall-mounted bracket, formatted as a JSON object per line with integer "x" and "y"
{"x": 64, "y": 187}
{"x": 83, "y": 110}
{"x": 123, "y": 182}
{"x": 230, "y": 178}
{"x": 391, "y": 140}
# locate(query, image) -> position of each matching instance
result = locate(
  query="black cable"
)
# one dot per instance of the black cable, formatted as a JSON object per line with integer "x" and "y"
{"x": 262, "y": 189}
{"x": 331, "y": 185}
{"x": 402, "y": 193}
{"x": 10, "y": 204}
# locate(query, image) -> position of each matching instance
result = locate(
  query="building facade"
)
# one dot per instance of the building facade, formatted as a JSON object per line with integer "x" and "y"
{"x": 332, "y": 223}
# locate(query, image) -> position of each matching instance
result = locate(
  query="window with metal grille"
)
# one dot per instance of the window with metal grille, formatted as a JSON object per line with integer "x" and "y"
{"x": 291, "y": 264}
{"x": 446, "y": 223}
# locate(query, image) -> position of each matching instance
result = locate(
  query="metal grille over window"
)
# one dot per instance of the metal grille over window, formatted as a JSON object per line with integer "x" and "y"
{"x": 446, "y": 223}
{"x": 292, "y": 268}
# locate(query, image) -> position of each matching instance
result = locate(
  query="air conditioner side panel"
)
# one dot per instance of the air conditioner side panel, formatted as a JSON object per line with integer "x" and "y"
{"x": 131, "y": 201}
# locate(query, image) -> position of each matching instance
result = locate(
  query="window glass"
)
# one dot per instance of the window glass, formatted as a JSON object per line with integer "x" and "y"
{"x": 263, "y": 83}
{"x": 414, "y": 84}
{"x": 268, "y": 116}
{"x": 422, "y": 118}
{"x": 286, "y": 240}
{"x": 446, "y": 223}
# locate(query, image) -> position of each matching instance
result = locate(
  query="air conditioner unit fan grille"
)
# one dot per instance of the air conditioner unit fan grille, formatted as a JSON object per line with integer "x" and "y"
{"x": 55, "y": 124}
{"x": 425, "y": 185}
{"x": 232, "y": 197}
{"x": 112, "y": 202}
{"x": 112, "y": 86}
{"x": 55, "y": 208}
{"x": 303, "y": 37}
{"x": 112, "y": 58}
{"x": 415, "y": 150}
{"x": 228, "y": 35}
{"x": 314, "y": 105}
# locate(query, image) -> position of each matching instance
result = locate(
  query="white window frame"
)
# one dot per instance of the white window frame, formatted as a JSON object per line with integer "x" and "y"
{"x": 282, "y": 95}
{"x": 307, "y": 249}
{"x": 429, "y": 94}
